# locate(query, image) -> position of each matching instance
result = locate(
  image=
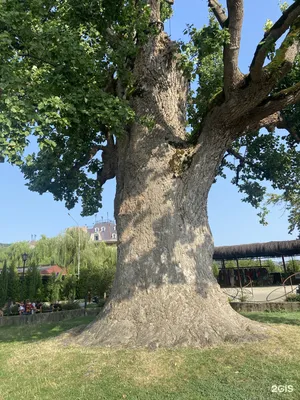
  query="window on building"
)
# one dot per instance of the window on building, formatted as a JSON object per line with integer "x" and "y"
{"x": 96, "y": 237}
{"x": 96, "y": 229}
{"x": 114, "y": 236}
{"x": 102, "y": 228}
{"x": 115, "y": 228}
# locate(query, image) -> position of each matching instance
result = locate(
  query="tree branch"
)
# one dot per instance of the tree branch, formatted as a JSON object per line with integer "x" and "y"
{"x": 267, "y": 114}
{"x": 285, "y": 56}
{"x": 218, "y": 11}
{"x": 39, "y": 59}
{"x": 155, "y": 11}
{"x": 278, "y": 29}
{"x": 232, "y": 75}
{"x": 236, "y": 154}
{"x": 243, "y": 160}
{"x": 276, "y": 102}
{"x": 270, "y": 122}
{"x": 284, "y": 124}
{"x": 81, "y": 163}
{"x": 109, "y": 160}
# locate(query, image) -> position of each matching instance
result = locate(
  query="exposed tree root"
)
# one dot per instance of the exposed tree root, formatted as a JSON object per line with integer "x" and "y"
{"x": 170, "y": 316}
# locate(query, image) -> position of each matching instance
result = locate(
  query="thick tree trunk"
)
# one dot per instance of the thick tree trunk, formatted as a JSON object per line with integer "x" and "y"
{"x": 164, "y": 292}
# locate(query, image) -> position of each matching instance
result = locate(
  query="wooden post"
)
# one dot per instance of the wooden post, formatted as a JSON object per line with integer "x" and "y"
{"x": 238, "y": 267}
{"x": 283, "y": 262}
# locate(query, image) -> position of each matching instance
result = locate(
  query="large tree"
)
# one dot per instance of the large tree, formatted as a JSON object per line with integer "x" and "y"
{"x": 108, "y": 94}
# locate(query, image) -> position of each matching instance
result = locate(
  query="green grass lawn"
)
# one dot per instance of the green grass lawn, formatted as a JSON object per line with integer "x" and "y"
{"x": 281, "y": 317}
{"x": 36, "y": 362}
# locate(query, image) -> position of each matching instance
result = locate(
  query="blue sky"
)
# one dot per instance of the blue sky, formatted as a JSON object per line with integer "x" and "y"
{"x": 24, "y": 213}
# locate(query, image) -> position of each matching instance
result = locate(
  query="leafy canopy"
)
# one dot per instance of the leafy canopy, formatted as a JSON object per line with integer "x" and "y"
{"x": 57, "y": 60}
{"x": 66, "y": 79}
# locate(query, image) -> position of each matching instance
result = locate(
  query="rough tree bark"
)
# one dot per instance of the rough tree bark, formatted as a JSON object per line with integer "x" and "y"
{"x": 164, "y": 292}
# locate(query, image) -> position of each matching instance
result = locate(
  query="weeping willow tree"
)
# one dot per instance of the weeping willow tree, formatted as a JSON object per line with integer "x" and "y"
{"x": 97, "y": 267}
{"x": 62, "y": 250}
{"x": 13, "y": 253}
{"x": 70, "y": 249}
{"x": 44, "y": 251}
{"x": 107, "y": 94}
{"x": 34, "y": 288}
{"x": 95, "y": 261}
{"x": 97, "y": 278}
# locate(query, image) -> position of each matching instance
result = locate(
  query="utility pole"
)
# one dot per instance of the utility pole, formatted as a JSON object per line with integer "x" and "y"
{"x": 24, "y": 258}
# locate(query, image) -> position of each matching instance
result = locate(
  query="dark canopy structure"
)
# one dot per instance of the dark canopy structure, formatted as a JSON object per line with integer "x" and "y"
{"x": 268, "y": 249}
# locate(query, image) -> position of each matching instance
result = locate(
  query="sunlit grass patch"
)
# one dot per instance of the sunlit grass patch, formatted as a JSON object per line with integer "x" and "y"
{"x": 51, "y": 368}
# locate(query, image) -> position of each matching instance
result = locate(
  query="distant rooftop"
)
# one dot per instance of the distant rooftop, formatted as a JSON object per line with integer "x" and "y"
{"x": 269, "y": 249}
{"x": 45, "y": 270}
{"x": 104, "y": 221}
{"x": 104, "y": 231}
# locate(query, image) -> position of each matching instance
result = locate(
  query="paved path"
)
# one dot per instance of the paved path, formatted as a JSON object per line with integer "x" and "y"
{"x": 266, "y": 293}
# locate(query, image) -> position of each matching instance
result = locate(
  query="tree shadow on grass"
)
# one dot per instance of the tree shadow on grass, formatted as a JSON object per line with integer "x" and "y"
{"x": 38, "y": 332}
{"x": 275, "y": 317}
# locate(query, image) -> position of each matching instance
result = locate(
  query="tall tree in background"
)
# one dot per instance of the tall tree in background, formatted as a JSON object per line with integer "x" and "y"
{"x": 3, "y": 285}
{"x": 68, "y": 247}
{"x": 69, "y": 289}
{"x": 44, "y": 251}
{"x": 34, "y": 285}
{"x": 53, "y": 288}
{"x": 13, "y": 253}
{"x": 99, "y": 270}
{"x": 107, "y": 94}
{"x": 96, "y": 259}
{"x": 13, "y": 292}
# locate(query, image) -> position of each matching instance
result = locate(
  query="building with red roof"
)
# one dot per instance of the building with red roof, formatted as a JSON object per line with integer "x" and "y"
{"x": 46, "y": 270}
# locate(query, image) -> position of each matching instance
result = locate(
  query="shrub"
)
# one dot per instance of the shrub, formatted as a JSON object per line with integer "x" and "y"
{"x": 46, "y": 307}
{"x": 101, "y": 302}
{"x": 14, "y": 310}
{"x": 215, "y": 269}
{"x": 71, "y": 305}
{"x": 293, "y": 297}
{"x": 243, "y": 298}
